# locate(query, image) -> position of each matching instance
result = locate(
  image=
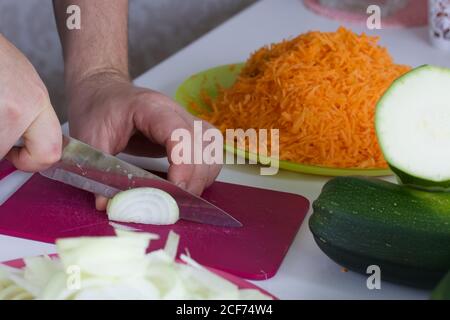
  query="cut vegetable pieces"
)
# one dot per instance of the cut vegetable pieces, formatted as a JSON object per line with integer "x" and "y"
{"x": 106, "y": 256}
{"x": 413, "y": 127}
{"x": 117, "y": 268}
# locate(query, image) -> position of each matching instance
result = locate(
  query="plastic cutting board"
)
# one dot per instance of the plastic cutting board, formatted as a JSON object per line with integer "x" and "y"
{"x": 46, "y": 210}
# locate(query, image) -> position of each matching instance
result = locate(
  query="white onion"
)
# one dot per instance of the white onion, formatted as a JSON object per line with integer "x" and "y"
{"x": 118, "y": 268}
{"x": 143, "y": 205}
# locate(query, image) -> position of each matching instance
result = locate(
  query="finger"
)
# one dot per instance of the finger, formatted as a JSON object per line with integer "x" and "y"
{"x": 213, "y": 169}
{"x": 202, "y": 177}
{"x": 101, "y": 203}
{"x": 180, "y": 174}
{"x": 160, "y": 131}
{"x": 213, "y": 173}
{"x": 204, "y": 174}
{"x": 13, "y": 124}
{"x": 193, "y": 177}
{"x": 157, "y": 123}
{"x": 199, "y": 179}
{"x": 42, "y": 144}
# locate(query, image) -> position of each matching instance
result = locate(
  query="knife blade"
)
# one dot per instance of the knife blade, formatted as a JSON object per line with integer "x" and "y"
{"x": 87, "y": 168}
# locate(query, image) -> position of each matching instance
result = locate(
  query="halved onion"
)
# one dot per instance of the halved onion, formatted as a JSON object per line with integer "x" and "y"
{"x": 143, "y": 205}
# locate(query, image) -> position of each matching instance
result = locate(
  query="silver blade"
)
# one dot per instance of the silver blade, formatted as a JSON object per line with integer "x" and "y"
{"x": 89, "y": 169}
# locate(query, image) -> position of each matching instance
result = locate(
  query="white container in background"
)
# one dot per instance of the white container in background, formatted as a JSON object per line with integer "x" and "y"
{"x": 439, "y": 23}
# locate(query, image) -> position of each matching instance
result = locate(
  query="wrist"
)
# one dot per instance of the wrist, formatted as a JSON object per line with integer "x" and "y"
{"x": 84, "y": 93}
{"x": 97, "y": 75}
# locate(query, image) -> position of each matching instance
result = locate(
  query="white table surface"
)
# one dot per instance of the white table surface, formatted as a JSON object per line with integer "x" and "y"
{"x": 306, "y": 272}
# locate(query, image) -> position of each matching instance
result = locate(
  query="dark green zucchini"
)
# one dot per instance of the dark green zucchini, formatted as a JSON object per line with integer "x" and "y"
{"x": 442, "y": 291}
{"x": 361, "y": 221}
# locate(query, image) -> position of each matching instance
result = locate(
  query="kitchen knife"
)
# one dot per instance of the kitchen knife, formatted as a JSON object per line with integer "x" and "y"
{"x": 89, "y": 169}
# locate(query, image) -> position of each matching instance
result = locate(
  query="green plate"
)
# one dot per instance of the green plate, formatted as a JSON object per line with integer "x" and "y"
{"x": 224, "y": 76}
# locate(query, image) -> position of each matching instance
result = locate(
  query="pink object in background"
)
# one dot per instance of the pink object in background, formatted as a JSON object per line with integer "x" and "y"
{"x": 6, "y": 168}
{"x": 411, "y": 13}
{"x": 46, "y": 210}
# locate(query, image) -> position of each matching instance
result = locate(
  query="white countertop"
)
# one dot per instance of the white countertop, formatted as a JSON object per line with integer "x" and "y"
{"x": 306, "y": 272}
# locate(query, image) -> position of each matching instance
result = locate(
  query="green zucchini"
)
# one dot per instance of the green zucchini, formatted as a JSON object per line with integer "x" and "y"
{"x": 442, "y": 291}
{"x": 412, "y": 124}
{"x": 360, "y": 222}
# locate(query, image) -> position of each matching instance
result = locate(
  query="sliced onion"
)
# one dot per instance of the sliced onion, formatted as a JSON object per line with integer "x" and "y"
{"x": 171, "y": 247}
{"x": 118, "y": 268}
{"x": 106, "y": 256}
{"x": 143, "y": 205}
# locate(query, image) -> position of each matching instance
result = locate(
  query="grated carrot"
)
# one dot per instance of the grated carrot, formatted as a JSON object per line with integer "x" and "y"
{"x": 320, "y": 90}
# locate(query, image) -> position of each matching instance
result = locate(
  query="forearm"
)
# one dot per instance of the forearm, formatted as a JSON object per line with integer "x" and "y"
{"x": 101, "y": 45}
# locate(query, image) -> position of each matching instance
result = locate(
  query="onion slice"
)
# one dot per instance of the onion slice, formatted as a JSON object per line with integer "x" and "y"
{"x": 143, "y": 205}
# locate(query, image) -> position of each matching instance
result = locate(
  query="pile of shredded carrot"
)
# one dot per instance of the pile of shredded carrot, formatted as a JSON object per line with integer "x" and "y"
{"x": 320, "y": 90}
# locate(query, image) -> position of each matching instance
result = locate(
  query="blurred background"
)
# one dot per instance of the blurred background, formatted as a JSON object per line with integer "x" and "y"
{"x": 158, "y": 28}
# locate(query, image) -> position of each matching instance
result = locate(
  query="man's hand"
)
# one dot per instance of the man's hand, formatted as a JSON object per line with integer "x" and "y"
{"x": 109, "y": 113}
{"x": 26, "y": 111}
{"x": 105, "y": 109}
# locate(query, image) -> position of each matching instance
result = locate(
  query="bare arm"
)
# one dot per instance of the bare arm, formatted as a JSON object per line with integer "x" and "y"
{"x": 101, "y": 46}
{"x": 105, "y": 109}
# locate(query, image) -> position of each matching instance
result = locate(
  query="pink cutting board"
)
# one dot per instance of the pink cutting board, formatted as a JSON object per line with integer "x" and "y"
{"x": 46, "y": 210}
{"x": 6, "y": 168}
